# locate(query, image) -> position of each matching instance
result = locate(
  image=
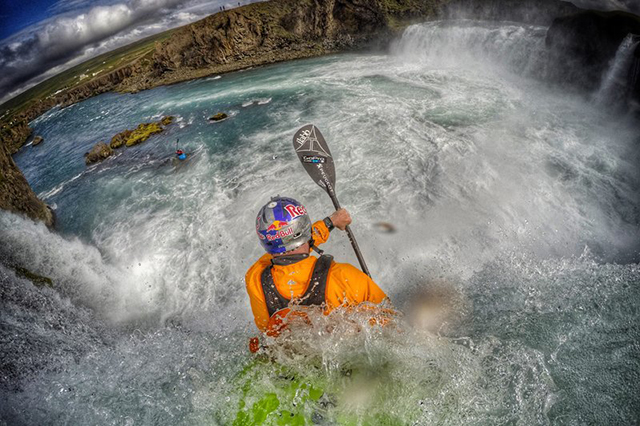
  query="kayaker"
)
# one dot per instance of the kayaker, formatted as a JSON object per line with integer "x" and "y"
{"x": 288, "y": 272}
{"x": 181, "y": 154}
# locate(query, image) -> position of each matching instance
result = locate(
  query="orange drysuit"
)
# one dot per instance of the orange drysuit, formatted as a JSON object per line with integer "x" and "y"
{"x": 346, "y": 285}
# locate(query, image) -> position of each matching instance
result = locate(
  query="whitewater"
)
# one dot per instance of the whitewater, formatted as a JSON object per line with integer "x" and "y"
{"x": 520, "y": 196}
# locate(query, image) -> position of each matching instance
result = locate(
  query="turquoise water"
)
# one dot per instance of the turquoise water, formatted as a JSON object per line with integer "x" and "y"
{"x": 520, "y": 198}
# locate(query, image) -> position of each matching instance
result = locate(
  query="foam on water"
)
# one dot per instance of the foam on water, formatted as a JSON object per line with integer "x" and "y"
{"x": 522, "y": 200}
{"x": 45, "y": 195}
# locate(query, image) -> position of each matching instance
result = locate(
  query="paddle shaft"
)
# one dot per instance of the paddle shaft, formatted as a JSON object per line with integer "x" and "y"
{"x": 315, "y": 156}
{"x": 352, "y": 237}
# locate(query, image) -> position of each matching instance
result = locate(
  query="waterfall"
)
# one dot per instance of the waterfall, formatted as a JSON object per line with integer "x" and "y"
{"x": 615, "y": 83}
{"x": 518, "y": 47}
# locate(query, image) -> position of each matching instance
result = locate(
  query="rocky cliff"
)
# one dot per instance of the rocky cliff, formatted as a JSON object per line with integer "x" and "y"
{"x": 15, "y": 193}
{"x": 583, "y": 45}
{"x": 537, "y": 12}
{"x": 15, "y": 131}
{"x": 276, "y": 31}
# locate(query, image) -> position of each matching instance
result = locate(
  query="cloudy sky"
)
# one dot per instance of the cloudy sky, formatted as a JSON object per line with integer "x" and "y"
{"x": 40, "y": 38}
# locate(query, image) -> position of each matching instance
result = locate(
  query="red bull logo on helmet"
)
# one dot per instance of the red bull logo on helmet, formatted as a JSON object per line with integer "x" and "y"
{"x": 277, "y": 225}
{"x": 280, "y": 234}
{"x": 295, "y": 211}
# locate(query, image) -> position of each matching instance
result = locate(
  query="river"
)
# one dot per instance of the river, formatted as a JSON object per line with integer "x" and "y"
{"x": 521, "y": 196}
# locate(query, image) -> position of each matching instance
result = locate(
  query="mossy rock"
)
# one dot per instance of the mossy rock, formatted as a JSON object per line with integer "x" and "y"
{"x": 218, "y": 117}
{"x": 143, "y": 132}
{"x": 120, "y": 139}
{"x": 37, "y": 280}
{"x": 37, "y": 140}
{"x": 167, "y": 119}
{"x": 98, "y": 153}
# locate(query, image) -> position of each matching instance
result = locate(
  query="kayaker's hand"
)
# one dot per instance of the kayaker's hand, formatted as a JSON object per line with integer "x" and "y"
{"x": 340, "y": 219}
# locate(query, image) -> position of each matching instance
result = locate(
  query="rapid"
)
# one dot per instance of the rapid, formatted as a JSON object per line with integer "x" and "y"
{"x": 521, "y": 197}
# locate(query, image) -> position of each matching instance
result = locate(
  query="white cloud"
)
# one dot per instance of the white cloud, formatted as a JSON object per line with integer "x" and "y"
{"x": 70, "y": 38}
{"x": 68, "y": 34}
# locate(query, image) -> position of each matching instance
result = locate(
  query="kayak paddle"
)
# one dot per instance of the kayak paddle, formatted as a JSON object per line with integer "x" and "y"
{"x": 316, "y": 158}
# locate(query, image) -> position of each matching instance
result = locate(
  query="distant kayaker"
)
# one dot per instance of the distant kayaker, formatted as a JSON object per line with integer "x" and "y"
{"x": 181, "y": 155}
{"x": 288, "y": 272}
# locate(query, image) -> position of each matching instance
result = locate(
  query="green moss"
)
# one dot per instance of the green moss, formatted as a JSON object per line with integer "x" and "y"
{"x": 143, "y": 132}
{"x": 218, "y": 117}
{"x": 166, "y": 120}
{"x": 37, "y": 280}
{"x": 401, "y": 13}
{"x": 120, "y": 139}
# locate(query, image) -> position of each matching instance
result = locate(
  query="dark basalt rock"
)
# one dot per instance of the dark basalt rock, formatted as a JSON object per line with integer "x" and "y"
{"x": 14, "y": 133}
{"x": 536, "y": 12}
{"x": 635, "y": 76}
{"x": 99, "y": 152}
{"x": 218, "y": 117}
{"x": 37, "y": 280}
{"x": 15, "y": 193}
{"x": 582, "y": 46}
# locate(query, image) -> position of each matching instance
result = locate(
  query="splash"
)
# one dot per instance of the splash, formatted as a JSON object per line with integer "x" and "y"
{"x": 524, "y": 200}
{"x": 516, "y": 47}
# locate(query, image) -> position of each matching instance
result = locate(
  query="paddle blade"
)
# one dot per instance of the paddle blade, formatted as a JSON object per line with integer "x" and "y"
{"x": 315, "y": 156}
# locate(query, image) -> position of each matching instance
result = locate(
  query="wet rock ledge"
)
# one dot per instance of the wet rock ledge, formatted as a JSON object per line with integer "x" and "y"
{"x": 15, "y": 193}
{"x": 126, "y": 138}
